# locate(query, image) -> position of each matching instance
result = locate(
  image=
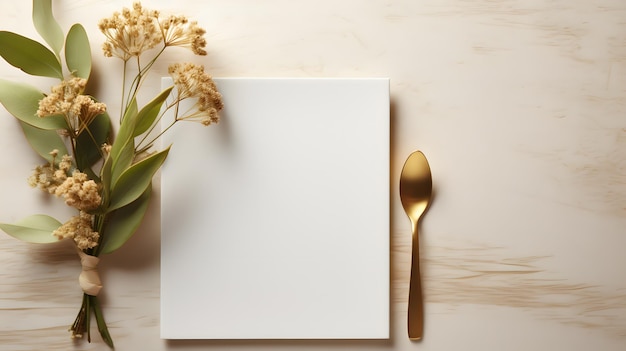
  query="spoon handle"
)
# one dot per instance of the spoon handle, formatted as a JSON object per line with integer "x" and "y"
{"x": 416, "y": 304}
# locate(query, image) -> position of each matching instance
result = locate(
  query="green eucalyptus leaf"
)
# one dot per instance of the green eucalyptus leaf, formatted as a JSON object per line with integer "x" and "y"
{"x": 102, "y": 326}
{"x": 124, "y": 221}
{"x": 149, "y": 113}
{"x": 105, "y": 178}
{"x": 123, "y": 160}
{"x": 22, "y": 101}
{"x": 43, "y": 141}
{"x": 131, "y": 110}
{"x": 78, "y": 52}
{"x": 123, "y": 148}
{"x": 33, "y": 229}
{"x": 29, "y": 56}
{"x": 134, "y": 181}
{"x": 126, "y": 129}
{"x": 46, "y": 25}
{"x": 89, "y": 142}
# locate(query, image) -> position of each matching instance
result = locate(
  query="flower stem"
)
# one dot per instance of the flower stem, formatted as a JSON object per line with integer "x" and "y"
{"x": 87, "y": 306}
{"x": 81, "y": 323}
{"x": 142, "y": 72}
{"x": 125, "y": 103}
{"x": 102, "y": 326}
{"x": 83, "y": 320}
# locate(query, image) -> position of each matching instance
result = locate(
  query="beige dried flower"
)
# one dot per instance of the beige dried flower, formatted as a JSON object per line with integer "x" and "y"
{"x": 193, "y": 83}
{"x": 131, "y": 32}
{"x": 48, "y": 177}
{"x": 43, "y": 177}
{"x": 106, "y": 148}
{"x": 60, "y": 99}
{"x": 79, "y": 228}
{"x": 66, "y": 99}
{"x": 178, "y": 31}
{"x": 66, "y": 164}
{"x": 79, "y": 191}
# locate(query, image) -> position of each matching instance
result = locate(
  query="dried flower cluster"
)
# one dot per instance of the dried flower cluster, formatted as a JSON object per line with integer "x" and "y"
{"x": 193, "y": 83}
{"x": 79, "y": 228}
{"x": 178, "y": 31}
{"x": 80, "y": 192}
{"x": 48, "y": 177}
{"x": 66, "y": 99}
{"x": 132, "y": 32}
{"x": 77, "y": 189}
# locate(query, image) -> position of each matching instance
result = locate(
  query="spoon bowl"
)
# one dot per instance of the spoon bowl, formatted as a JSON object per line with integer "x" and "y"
{"x": 415, "y": 195}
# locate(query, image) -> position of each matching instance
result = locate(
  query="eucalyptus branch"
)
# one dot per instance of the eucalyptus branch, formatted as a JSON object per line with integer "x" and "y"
{"x": 111, "y": 204}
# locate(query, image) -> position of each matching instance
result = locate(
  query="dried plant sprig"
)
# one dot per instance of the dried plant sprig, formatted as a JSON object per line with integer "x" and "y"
{"x": 193, "y": 83}
{"x": 133, "y": 33}
{"x": 179, "y": 31}
{"x": 130, "y": 32}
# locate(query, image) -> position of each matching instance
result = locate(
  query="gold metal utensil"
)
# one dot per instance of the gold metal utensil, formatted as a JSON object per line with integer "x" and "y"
{"x": 415, "y": 194}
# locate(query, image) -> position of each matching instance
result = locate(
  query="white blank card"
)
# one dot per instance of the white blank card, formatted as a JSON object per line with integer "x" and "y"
{"x": 275, "y": 222}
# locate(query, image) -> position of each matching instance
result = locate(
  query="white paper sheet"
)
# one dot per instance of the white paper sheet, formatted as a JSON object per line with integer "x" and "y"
{"x": 275, "y": 222}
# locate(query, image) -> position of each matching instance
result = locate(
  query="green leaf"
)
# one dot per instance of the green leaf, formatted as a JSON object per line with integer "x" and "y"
{"x": 148, "y": 114}
{"x": 78, "y": 52}
{"x": 29, "y": 55}
{"x": 131, "y": 110}
{"x": 44, "y": 141}
{"x": 124, "y": 221}
{"x": 105, "y": 178}
{"x": 134, "y": 181}
{"x": 102, "y": 326}
{"x": 126, "y": 129}
{"x": 33, "y": 229}
{"x": 123, "y": 160}
{"x": 123, "y": 148}
{"x": 46, "y": 25}
{"x": 22, "y": 101}
{"x": 89, "y": 142}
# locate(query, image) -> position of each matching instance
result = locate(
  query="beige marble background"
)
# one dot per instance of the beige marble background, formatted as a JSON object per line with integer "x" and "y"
{"x": 520, "y": 107}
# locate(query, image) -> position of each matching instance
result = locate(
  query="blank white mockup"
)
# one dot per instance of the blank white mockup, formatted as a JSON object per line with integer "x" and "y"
{"x": 275, "y": 222}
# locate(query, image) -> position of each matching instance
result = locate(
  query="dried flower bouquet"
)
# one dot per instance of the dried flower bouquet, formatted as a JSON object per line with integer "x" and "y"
{"x": 106, "y": 179}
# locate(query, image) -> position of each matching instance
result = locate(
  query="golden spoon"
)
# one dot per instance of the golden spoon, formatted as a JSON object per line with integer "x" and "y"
{"x": 415, "y": 194}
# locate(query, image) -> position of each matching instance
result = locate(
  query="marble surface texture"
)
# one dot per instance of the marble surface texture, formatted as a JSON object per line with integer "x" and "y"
{"x": 519, "y": 105}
